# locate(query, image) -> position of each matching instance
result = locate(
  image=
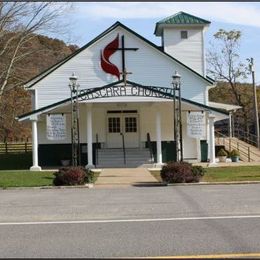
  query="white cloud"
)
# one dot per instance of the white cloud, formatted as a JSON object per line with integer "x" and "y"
{"x": 245, "y": 13}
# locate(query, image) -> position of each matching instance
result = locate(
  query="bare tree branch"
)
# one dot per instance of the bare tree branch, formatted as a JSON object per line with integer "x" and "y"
{"x": 224, "y": 64}
{"x": 19, "y": 22}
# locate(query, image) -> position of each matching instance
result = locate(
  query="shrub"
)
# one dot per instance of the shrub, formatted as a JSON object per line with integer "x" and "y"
{"x": 234, "y": 153}
{"x": 90, "y": 176}
{"x": 198, "y": 172}
{"x": 180, "y": 172}
{"x": 222, "y": 152}
{"x": 70, "y": 176}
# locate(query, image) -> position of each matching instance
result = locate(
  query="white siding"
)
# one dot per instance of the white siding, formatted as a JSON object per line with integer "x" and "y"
{"x": 148, "y": 65}
{"x": 99, "y": 124}
{"x": 189, "y": 51}
{"x": 148, "y": 122}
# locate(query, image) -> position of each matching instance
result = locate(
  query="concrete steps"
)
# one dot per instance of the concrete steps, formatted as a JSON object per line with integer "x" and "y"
{"x": 114, "y": 158}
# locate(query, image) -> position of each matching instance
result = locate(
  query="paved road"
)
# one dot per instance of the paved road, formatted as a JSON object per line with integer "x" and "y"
{"x": 130, "y": 221}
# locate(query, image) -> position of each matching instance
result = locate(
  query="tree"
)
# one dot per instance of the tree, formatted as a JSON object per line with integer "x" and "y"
{"x": 21, "y": 48}
{"x": 223, "y": 93}
{"x": 16, "y": 101}
{"x": 19, "y": 23}
{"x": 224, "y": 65}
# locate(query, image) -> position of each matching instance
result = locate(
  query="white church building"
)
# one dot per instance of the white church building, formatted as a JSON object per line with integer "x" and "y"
{"x": 126, "y": 99}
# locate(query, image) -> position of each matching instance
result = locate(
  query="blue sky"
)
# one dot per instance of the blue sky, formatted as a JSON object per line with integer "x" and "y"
{"x": 89, "y": 19}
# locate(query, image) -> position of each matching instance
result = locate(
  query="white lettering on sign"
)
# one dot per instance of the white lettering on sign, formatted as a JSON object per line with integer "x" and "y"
{"x": 56, "y": 127}
{"x": 196, "y": 124}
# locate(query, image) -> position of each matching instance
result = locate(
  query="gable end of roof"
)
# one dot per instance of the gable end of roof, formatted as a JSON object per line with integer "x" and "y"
{"x": 45, "y": 73}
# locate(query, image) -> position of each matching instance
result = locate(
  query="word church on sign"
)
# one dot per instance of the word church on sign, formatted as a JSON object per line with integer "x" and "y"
{"x": 127, "y": 91}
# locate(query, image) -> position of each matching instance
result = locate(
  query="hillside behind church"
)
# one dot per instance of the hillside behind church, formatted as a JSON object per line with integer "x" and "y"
{"x": 45, "y": 52}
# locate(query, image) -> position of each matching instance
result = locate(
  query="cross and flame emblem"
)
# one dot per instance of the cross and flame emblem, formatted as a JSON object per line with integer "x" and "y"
{"x": 109, "y": 50}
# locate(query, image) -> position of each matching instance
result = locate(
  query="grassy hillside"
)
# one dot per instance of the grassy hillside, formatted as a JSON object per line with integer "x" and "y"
{"x": 44, "y": 52}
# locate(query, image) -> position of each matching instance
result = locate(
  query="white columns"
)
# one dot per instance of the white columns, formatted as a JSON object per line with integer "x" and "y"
{"x": 158, "y": 137}
{"x": 35, "y": 166}
{"x": 89, "y": 136}
{"x": 211, "y": 139}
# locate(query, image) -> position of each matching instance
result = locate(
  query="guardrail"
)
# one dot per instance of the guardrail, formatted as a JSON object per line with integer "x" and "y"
{"x": 241, "y": 134}
{"x": 246, "y": 137}
{"x": 230, "y": 144}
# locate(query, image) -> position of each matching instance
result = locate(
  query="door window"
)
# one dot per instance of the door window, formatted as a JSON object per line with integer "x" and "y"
{"x": 130, "y": 125}
{"x": 114, "y": 124}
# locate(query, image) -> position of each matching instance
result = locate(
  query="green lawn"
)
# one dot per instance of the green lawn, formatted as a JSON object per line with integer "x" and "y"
{"x": 222, "y": 174}
{"x": 25, "y": 178}
{"x": 242, "y": 173}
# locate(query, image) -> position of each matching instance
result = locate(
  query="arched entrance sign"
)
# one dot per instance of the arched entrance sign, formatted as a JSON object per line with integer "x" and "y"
{"x": 131, "y": 89}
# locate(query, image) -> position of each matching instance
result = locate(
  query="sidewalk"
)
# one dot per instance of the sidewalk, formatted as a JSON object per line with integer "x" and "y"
{"x": 126, "y": 176}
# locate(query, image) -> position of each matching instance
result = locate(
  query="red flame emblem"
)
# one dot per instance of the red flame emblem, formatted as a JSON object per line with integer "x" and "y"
{"x": 106, "y": 65}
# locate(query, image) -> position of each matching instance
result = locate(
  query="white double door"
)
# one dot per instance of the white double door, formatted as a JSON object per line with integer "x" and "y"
{"x": 122, "y": 125}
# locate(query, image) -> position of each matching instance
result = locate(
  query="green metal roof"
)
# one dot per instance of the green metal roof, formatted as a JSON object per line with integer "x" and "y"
{"x": 183, "y": 18}
{"x": 180, "y": 18}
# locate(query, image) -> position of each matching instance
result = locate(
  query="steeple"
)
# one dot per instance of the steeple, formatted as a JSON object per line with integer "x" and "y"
{"x": 182, "y": 37}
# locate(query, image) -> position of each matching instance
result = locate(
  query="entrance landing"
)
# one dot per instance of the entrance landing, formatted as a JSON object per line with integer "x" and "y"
{"x": 126, "y": 176}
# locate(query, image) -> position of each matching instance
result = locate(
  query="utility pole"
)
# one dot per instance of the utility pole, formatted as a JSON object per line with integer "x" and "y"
{"x": 252, "y": 70}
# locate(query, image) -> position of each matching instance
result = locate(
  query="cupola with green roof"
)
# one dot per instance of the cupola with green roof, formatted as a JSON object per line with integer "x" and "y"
{"x": 182, "y": 36}
{"x": 179, "y": 19}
